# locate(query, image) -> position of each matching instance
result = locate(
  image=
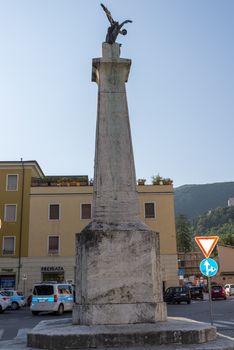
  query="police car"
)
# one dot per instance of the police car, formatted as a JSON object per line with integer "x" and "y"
{"x": 52, "y": 297}
{"x": 17, "y": 298}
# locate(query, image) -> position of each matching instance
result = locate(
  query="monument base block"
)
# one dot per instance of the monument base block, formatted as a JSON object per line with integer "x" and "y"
{"x": 112, "y": 313}
{"x": 118, "y": 277}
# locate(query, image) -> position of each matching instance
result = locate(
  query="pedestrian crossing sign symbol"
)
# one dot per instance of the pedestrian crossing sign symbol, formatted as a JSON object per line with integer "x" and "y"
{"x": 206, "y": 244}
{"x": 208, "y": 267}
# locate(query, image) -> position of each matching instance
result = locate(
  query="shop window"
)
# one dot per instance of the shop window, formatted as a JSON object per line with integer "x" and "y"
{"x": 12, "y": 182}
{"x": 59, "y": 277}
{"x": 10, "y": 212}
{"x": 149, "y": 210}
{"x": 53, "y": 245}
{"x": 85, "y": 211}
{"x": 7, "y": 281}
{"x": 54, "y": 212}
{"x": 8, "y": 245}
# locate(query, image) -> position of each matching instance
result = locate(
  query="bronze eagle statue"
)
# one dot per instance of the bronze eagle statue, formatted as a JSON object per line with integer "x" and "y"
{"x": 115, "y": 28}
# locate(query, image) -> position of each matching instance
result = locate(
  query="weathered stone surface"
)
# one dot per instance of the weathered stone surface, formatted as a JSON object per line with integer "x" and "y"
{"x": 60, "y": 334}
{"x": 115, "y": 199}
{"x": 119, "y": 278}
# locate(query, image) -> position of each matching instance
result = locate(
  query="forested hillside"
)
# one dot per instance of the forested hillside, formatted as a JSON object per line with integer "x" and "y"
{"x": 218, "y": 222}
{"x": 194, "y": 200}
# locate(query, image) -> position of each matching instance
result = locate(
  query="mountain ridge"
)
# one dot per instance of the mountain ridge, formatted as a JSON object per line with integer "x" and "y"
{"x": 196, "y": 199}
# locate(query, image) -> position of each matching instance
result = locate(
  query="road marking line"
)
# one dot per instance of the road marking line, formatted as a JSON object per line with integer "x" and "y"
{"x": 219, "y": 325}
{"x": 1, "y": 333}
{"x": 22, "y": 332}
{"x": 225, "y": 322}
{"x": 225, "y": 336}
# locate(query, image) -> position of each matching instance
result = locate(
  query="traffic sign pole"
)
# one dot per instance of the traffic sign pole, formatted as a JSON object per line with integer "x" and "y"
{"x": 211, "y": 302}
{"x": 208, "y": 267}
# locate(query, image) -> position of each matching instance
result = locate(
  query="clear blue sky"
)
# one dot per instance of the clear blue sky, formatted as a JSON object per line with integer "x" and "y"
{"x": 180, "y": 89}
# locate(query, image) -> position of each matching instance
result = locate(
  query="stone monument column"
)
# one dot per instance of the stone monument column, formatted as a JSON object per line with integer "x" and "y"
{"x": 115, "y": 199}
{"x": 118, "y": 279}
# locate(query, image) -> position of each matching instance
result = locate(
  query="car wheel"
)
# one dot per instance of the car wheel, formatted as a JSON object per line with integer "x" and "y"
{"x": 15, "y": 305}
{"x": 60, "y": 309}
{"x": 35, "y": 313}
{"x": 188, "y": 301}
{"x": 1, "y": 310}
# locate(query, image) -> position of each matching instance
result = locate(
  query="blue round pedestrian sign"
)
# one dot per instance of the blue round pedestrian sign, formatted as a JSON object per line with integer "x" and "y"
{"x": 209, "y": 267}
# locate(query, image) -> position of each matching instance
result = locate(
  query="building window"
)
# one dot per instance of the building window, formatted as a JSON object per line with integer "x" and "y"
{"x": 10, "y": 212}
{"x": 54, "y": 212}
{"x": 8, "y": 247}
{"x": 12, "y": 182}
{"x": 149, "y": 210}
{"x": 85, "y": 211}
{"x": 53, "y": 245}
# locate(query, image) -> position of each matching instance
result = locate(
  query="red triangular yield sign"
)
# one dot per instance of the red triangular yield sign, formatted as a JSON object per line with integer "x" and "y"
{"x": 207, "y": 244}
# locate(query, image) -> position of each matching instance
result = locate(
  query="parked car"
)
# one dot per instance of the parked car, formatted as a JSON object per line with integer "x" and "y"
{"x": 5, "y": 299}
{"x": 17, "y": 298}
{"x": 197, "y": 292}
{"x": 3, "y": 305}
{"x": 218, "y": 292}
{"x": 229, "y": 289}
{"x": 177, "y": 295}
{"x": 52, "y": 297}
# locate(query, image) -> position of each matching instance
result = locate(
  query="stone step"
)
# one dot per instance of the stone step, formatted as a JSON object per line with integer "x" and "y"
{"x": 61, "y": 334}
{"x": 221, "y": 343}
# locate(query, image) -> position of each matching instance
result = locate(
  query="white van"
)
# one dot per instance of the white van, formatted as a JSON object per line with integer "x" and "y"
{"x": 52, "y": 297}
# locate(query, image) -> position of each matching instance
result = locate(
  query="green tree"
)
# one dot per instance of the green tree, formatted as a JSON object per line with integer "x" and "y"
{"x": 183, "y": 234}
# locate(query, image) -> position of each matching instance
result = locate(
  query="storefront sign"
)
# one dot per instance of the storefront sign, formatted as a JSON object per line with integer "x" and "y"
{"x": 52, "y": 269}
{"x": 7, "y": 270}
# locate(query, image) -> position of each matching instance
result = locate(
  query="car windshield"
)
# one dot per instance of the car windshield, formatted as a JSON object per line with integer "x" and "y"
{"x": 43, "y": 290}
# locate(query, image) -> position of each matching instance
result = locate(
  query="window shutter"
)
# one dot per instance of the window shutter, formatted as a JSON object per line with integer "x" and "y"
{"x": 85, "y": 211}
{"x": 54, "y": 211}
{"x": 53, "y": 244}
{"x": 8, "y": 245}
{"x": 149, "y": 210}
{"x": 12, "y": 182}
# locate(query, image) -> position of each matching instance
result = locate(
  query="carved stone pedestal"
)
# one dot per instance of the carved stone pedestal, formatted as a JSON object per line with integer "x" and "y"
{"x": 119, "y": 278}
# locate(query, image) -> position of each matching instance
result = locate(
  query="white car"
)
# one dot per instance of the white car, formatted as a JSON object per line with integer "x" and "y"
{"x": 229, "y": 289}
{"x": 52, "y": 297}
{"x": 17, "y": 298}
{"x": 5, "y": 299}
{"x": 3, "y": 305}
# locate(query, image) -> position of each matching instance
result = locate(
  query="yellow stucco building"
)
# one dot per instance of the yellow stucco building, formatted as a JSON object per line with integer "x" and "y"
{"x": 54, "y": 209}
{"x": 15, "y": 187}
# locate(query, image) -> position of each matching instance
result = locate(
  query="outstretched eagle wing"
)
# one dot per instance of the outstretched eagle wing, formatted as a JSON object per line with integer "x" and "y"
{"x": 108, "y": 14}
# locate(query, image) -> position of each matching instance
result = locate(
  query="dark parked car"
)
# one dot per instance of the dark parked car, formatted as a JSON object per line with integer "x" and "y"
{"x": 197, "y": 293}
{"x": 177, "y": 295}
{"x": 218, "y": 292}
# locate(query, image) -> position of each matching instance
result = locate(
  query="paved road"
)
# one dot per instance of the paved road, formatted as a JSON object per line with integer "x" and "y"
{"x": 223, "y": 313}
{"x": 19, "y": 322}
